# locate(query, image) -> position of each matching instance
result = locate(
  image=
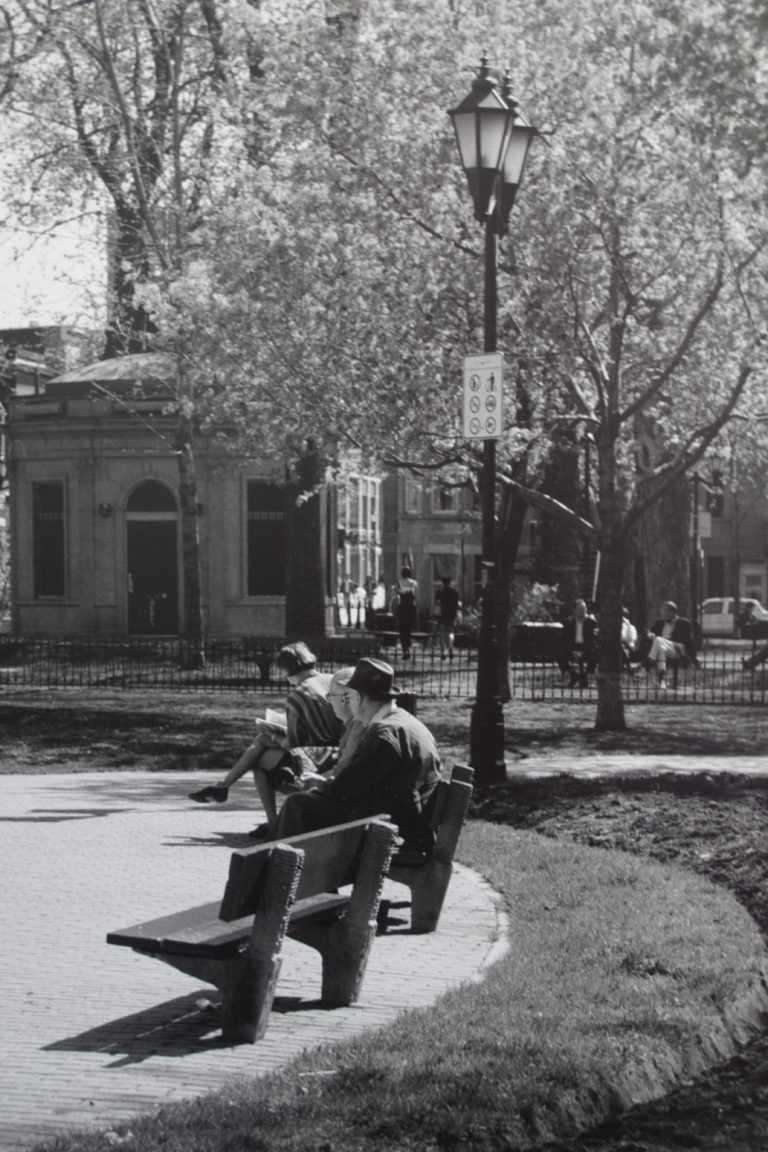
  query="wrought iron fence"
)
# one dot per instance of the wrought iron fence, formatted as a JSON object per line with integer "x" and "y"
{"x": 247, "y": 664}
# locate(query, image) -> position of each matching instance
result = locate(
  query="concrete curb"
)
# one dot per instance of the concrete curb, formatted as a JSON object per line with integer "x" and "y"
{"x": 606, "y": 765}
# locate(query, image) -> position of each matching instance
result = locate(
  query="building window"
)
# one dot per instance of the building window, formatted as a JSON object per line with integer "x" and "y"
{"x": 266, "y": 539}
{"x": 445, "y": 498}
{"x": 48, "y": 550}
{"x": 412, "y": 496}
{"x": 151, "y": 496}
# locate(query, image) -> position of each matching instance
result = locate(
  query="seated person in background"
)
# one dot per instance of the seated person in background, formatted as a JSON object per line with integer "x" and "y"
{"x": 628, "y": 638}
{"x": 280, "y": 758}
{"x": 757, "y": 658}
{"x": 394, "y": 768}
{"x": 671, "y": 638}
{"x": 578, "y": 655}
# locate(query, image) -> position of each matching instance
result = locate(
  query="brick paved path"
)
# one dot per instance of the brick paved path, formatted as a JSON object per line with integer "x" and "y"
{"x": 93, "y": 1034}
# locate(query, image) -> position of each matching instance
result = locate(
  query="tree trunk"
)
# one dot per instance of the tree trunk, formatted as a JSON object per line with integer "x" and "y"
{"x": 306, "y": 560}
{"x": 190, "y": 548}
{"x": 561, "y": 559}
{"x": 511, "y": 520}
{"x": 662, "y": 544}
{"x": 129, "y": 324}
{"x": 610, "y": 703}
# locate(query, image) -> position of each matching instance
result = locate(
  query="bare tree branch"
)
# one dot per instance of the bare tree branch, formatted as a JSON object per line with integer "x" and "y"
{"x": 133, "y": 156}
{"x": 689, "y": 456}
{"x": 707, "y": 304}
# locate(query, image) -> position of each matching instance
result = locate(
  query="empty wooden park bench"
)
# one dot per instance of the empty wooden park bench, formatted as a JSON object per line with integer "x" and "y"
{"x": 428, "y": 875}
{"x": 277, "y": 888}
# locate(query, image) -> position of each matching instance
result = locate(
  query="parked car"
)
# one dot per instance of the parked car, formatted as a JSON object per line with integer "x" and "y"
{"x": 717, "y": 615}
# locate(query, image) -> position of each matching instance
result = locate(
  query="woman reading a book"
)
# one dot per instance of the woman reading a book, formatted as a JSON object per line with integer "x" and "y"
{"x": 290, "y": 752}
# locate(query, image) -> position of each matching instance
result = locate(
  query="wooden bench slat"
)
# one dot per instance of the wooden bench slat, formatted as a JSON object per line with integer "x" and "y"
{"x": 199, "y": 931}
{"x": 154, "y": 932}
{"x": 241, "y": 954}
{"x": 335, "y": 853}
{"x": 323, "y": 906}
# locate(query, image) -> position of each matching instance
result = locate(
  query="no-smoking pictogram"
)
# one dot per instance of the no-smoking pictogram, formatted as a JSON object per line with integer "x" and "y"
{"x": 483, "y": 396}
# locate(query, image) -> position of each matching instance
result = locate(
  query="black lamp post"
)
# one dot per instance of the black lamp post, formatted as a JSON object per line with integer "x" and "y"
{"x": 493, "y": 139}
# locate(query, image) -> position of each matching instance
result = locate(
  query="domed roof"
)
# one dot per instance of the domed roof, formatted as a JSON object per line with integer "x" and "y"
{"x": 142, "y": 368}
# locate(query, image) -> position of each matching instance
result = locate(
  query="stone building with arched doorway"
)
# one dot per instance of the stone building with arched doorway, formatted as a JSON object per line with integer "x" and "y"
{"x": 95, "y": 517}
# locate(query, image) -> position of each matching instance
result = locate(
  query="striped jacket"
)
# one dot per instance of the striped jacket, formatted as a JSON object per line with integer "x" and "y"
{"x": 312, "y": 721}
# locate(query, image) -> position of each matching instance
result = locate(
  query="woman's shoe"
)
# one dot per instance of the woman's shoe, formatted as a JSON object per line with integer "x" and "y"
{"x": 210, "y": 792}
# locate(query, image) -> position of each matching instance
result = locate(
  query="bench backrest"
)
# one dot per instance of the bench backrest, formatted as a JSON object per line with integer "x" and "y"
{"x": 331, "y": 858}
{"x": 461, "y": 773}
{"x": 453, "y": 813}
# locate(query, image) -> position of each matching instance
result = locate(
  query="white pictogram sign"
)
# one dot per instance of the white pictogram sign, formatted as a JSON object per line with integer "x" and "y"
{"x": 483, "y": 396}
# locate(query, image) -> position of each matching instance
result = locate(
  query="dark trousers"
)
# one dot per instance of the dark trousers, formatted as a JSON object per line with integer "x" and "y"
{"x": 578, "y": 661}
{"x": 307, "y": 812}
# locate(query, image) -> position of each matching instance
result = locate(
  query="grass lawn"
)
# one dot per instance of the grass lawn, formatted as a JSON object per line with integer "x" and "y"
{"x": 60, "y": 730}
{"x": 623, "y": 977}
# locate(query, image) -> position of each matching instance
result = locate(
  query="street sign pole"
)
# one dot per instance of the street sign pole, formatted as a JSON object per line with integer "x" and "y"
{"x": 483, "y": 420}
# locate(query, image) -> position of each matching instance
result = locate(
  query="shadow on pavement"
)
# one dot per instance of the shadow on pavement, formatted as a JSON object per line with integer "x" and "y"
{"x": 55, "y": 815}
{"x": 175, "y": 1028}
{"x": 179, "y": 1027}
{"x": 144, "y": 789}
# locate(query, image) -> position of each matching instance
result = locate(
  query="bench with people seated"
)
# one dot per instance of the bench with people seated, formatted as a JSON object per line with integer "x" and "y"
{"x": 290, "y": 887}
{"x": 428, "y": 874}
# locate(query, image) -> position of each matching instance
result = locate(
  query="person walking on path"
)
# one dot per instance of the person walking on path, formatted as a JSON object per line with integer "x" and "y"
{"x": 448, "y": 604}
{"x": 394, "y": 769}
{"x": 281, "y": 757}
{"x": 405, "y": 608}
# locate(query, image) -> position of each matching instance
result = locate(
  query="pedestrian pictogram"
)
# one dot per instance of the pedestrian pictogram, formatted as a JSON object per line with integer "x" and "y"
{"x": 483, "y": 396}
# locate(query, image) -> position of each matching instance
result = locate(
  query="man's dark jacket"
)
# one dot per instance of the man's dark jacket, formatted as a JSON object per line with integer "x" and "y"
{"x": 682, "y": 633}
{"x": 569, "y": 639}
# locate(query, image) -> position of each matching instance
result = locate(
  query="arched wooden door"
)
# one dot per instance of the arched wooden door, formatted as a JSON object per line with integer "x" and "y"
{"x": 152, "y": 560}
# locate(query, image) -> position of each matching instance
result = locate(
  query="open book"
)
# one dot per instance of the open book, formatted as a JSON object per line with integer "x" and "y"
{"x": 274, "y": 721}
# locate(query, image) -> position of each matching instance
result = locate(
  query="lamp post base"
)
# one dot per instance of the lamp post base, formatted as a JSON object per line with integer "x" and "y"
{"x": 486, "y": 742}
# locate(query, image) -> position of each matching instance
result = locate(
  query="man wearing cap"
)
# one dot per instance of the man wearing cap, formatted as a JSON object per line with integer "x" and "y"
{"x": 671, "y": 638}
{"x": 279, "y": 760}
{"x": 394, "y": 769}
